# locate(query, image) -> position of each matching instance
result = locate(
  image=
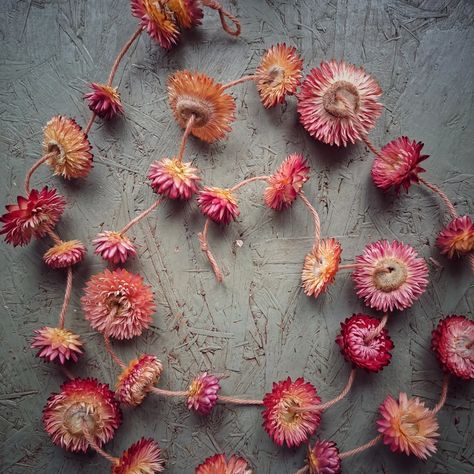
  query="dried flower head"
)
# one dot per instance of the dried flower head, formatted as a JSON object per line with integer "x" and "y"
{"x": 453, "y": 343}
{"x": 104, "y": 101}
{"x": 198, "y": 95}
{"x": 286, "y": 183}
{"x": 408, "y": 426}
{"x": 142, "y": 457}
{"x": 281, "y": 421}
{"x": 218, "y": 464}
{"x": 114, "y": 247}
{"x": 83, "y": 408}
{"x": 219, "y": 204}
{"x": 65, "y": 254}
{"x": 337, "y": 102}
{"x": 158, "y": 19}
{"x": 457, "y": 238}
{"x": 65, "y": 138}
{"x": 118, "y": 304}
{"x": 202, "y": 393}
{"x": 137, "y": 379}
{"x": 323, "y": 458}
{"x": 57, "y": 345}
{"x": 279, "y": 74}
{"x": 33, "y": 216}
{"x": 361, "y": 346}
{"x": 187, "y": 13}
{"x": 320, "y": 267}
{"x": 173, "y": 178}
{"x": 390, "y": 275}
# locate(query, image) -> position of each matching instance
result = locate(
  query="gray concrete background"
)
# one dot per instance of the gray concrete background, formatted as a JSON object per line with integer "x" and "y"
{"x": 264, "y": 327}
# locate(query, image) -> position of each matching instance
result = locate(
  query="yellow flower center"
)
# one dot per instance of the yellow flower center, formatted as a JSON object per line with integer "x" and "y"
{"x": 389, "y": 274}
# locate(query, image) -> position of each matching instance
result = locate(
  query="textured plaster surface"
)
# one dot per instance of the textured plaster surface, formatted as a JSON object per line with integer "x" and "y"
{"x": 258, "y": 327}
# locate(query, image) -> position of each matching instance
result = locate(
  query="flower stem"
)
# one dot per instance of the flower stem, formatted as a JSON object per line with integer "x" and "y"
{"x": 67, "y": 298}
{"x": 316, "y": 220}
{"x": 348, "y": 266}
{"x": 223, "y": 14}
{"x": 35, "y": 166}
{"x": 377, "y": 330}
{"x": 141, "y": 216}
{"x": 250, "y": 77}
{"x": 168, "y": 393}
{"x": 248, "y": 181}
{"x": 442, "y": 195}
{"x": 202, "y": 236}
{"x": 185, "y": 137}
{"x": 238, "y": 401}
{"x": 90, "y": 123}
{"x": 444, "y": 394}
{"x": 360, "y": 449}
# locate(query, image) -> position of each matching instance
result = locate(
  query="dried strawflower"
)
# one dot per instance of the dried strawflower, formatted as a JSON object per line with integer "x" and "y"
{"x": 285, "y": 425}
{"x": 57, "y": 345}
{"x": 142, "y": 457}
{"x": 453, "y": 343}
{"x": 187, "y": 13}
{"x": 118, "y": 303}
{"x": 73, "y": 157}
{"x": 137, "y": 379}
{"x": 286, "y": 183}
{"x": 158, "y": 20}
{"x": 65, "y": 254}
{"x": 397, "y": 164}
{"x": 202, "y": 393}
{"x": 361, "y": 347}
{"x": 218, "y": 464}
{"x": 279, "y": 74}
{"x": 320, "y": 267}
{"x": 173, "y": 178}
{"x": 198, "y": 95}
{"x": 337, "y": 102}
{"x": 33, "y": 216}
{"x": 114, "y": 247}
{"x": 457, "y": 238}
{"x": 219, "y": 204}
{"x": 390, "y": 275}
{"x": 323, "y": 458}
{"x": 84, "y": 408}
{"x": 408, "y": 426}
{"x": 104, "y": 101}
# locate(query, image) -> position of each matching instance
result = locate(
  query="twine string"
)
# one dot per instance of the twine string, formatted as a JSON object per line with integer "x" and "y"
{"x": 223, "y": 15}
{"x": 67, "y": 298}
{"x": 35, "y": 166}
{"x": 112, "y": 353}
{"x": 451, "y": 209}
{"x": 92, "y": 443}
{"x": 184, "y": 139}
{"x": 360, "y": 449}
{"x": 250, "y": 77}
{"x": 443, "y": 396}
{"x": 202, "y": 236}
{"x": 316, "y": 220}
{"x": 141, "y": 216}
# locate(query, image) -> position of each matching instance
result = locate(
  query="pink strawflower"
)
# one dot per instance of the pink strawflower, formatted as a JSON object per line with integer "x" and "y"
{"x": 57, "y": 345}
{"x": 323, "y": 458}
{"x": 281, "y": 422}
{"x": 114, "y": 247}
{"x": 173, "y": 178}
{"x": 398, "y": 164}
{"x": 453, "y": 343}
{"x": 457, "y": 238}
{"x": 142, "y": 457}
{"x": 218, "y": 204}
{"x": 390, "y": 275}
{"x": 286, "y": 183}
{"x": 118, "y": 304}
{"x": 202, "y": 393}
{"x": 84, "y": 408}
{"x": 361, "y": 346}
{"x": 408, "y": 426}
{"x": 104, "y": 101}
{"x": 337, "y": 102}
{"x": 33, "y": 216}
{"x": 218, "y": 464}
{"x": 65, "y": 254}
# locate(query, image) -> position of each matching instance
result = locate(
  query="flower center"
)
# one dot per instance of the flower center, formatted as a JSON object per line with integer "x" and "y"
{"x": 274, "y": 76}
{"x": 389, "y": 274}
{"x": 188, "y": 106}
{"x": 194, "y": 388}
{"x": 409, "y": 425}
{"x": 289, "y": 416}
{"x": 80, "y": 417}
{"x": 335, "y": 98}
{"x": 60, "y": 153}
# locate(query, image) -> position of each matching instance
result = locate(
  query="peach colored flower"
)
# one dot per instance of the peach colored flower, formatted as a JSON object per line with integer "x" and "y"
{"x": 187, "y": 13}
{"x": 65, "y": 254}
{"x": 143, "y": 457}
{"x": 114, "y": 247}
{"x": 219, "y": 204}
{"x": 202, "y": 393}
{"x": 104, "y": 101}
{"x": 457, "y": 238}
{"x": 218, "y": 464}
{"x": 57, "y": 345}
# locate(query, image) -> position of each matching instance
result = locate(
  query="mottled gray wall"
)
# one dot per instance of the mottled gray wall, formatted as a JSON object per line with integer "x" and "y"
{"x": 265, "y": 328}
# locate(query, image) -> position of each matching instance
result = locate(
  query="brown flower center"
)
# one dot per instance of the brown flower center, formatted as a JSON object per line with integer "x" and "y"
{"x": 335, "y": 98}
{"x": 80, "y": 417}
{"x": 274, "y": 76}
{"x": 389, "y": 274}
{"x": 188, "y": 106}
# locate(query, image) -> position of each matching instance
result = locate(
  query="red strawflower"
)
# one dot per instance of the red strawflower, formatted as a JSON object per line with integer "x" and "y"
{"x": 202, "y": 393}
{"x": 453, "y": 343}
{"x": 114, "y": 247}
{"x": 142, "y": 457}
{"x": 65, "y": 254}
{"x": 218, "y": 464}
{"x": 84, "y": 408}
{"x": 118, "y": 304}
{"x": 359, "y": 345}
{"x": 457, "y": 238}
{"x": 57, "y": 345}
{"x": 33, "y": 216}
{"x": 398, "y": 164}
{"x": 187, "y": 13}
{"x": 285, "y": 425}
{"x": 219, "y": 204}
{"x": 323, "y": 458}
{"x": 104, "y": 101}
{"x": 286, "y": 183}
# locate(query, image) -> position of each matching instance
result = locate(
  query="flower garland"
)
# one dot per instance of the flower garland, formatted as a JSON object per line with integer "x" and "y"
{"x": 337, "y": 104}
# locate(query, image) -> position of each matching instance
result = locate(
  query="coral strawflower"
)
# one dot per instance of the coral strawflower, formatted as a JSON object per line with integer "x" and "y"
{"x": 33, "y": 216}
{"x": 408, "y": 426}
{"x": 325, "y": 96}
{"x": 187, "y": 13}
{"x": 65, "y": 254}
{"x": 218, "y": 464}
{"x": 114, "y": 247}
{"x": 142, "y": 457}
{"x": 457, "y": 238}
{"x": 219, "y": 204}
{"x": 57, "y": 345}
{"x": 323, "y": 458}
{"x": 104, "y": 101}
{"x": 278, "y": 75}
{"x": 202, "y": 393}
{"x": 118, "y": 304}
